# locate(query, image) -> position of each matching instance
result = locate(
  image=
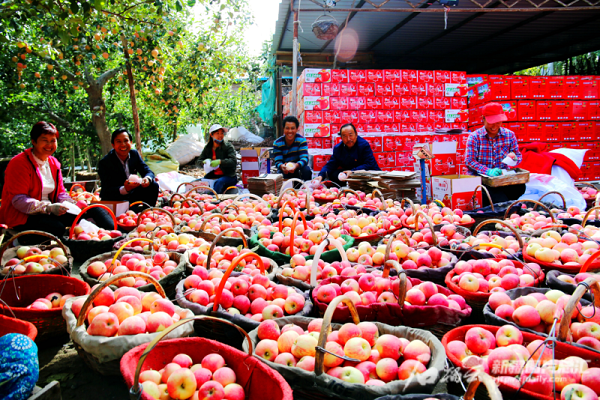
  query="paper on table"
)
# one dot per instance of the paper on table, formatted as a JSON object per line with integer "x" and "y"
{"x": 509, "y": 161}
{"x": 71, "y": 208}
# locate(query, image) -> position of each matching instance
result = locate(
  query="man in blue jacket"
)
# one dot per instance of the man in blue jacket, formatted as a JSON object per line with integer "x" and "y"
{"x": 352, "y": 154}
{"x": 117, "y": 166}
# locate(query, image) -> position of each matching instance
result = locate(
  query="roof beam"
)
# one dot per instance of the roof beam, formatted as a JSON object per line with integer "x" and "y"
{"x": 420, "y": 9}
{"x": 287, "y": 18}
{"x": 395, "y": 28}
{"x": 343, "y": 25}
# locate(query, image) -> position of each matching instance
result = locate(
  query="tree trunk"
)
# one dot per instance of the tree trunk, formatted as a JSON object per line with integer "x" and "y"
{"x": 175, "y": 130}
{"x": 98, "y": 108}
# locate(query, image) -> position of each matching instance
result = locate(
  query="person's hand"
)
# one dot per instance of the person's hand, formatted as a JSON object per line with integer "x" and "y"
{"x": 512, "y": 155}
{"x": 129, "y": 186}
{"x": 146, "y": 182}
{"x": 57, "y": 209}
{"x": 207, "y": 161}
{"x": 295, "y": 167}
{"x": 348, "y": 173}
{"x": 494, "y": 172}
{"x": 215, "y": 163}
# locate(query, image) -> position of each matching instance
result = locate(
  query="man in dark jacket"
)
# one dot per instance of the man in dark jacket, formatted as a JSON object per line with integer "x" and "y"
{"x": 116, "y": 168}
{"x": 352, "y": 154}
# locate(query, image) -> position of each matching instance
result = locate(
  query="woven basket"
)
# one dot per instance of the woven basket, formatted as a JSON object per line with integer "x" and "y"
{"x": 223, "y": 240}
{"x": 84, "y": 249}
{"x": 8, "y": 253}
{"x": 318, "y": 385}
{"x": 553, "y": 282}
{"x": 15, "y": 325}
{"x": 258, "y": 380}
{"x": 510, "y": 209}
{"x": 97, "y": 356}
{"x": 224, "y": 333}
{"x": 18, "y": 293}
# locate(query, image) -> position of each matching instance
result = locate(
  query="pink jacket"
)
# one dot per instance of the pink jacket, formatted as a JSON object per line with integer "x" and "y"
{"x": 22, "y": 179}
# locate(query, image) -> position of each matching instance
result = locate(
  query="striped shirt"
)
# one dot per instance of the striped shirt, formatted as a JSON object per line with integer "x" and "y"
{"x": 484, "y": 152}
{"x": 296, "y": 153}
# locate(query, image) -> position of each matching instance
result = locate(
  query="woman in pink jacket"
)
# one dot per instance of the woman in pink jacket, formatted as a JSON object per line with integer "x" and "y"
{"x": 33, "y": 188}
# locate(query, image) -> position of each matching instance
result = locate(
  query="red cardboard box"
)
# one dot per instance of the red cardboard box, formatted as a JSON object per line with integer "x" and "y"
{"x": 383, "y": 89}
{"x": 319, "y": 161}
{"x": 456, "y": 191}
{"x": 375, "y": 75}
{"x": 444, "y": 161}
{"x": 357, "y": 76}
{"x": 517, "y": 127}
{"x": 401, "y": 88}
{"x": 535, "y": 132}
{"x": 418, "y": 89}
{"x": 327, "y": 142}
{"x": 426, "y": 76}
{"x": 585, "y": 130}
{"x": 316, "y": 130}
{"x": 596, "y": 127}
{"x": 425, "y": 102}
{"x": 551, "y": 131}
{"x": 442, "y": 76}
{"x": 348, "y": 89}
{"x": 526, "y": 110}
{"x": 544, "y": 111}
{"x": 310, "y": 142}
{"x": 331, "y": 116}
{"x": 392, "y": 75}
{"x": 381, "y": 159}
{"x": 377, "y": 143}
{"x": 408, "y": 127}
{"x": 538, "y": 88}
{"x": 435, "y": 89}
{"x": 555, "y": 87}
{"x": 409, "y": 75}
{"x": 339, "y": 75}
{"x": 402, "y": 116}
{"x": 365, "y": 89}
{"x": 589, "y": 89}
{"x": 459, "y": 103}
{"x": 563, "y": 110}
{"x": 442, "y": 103}
{"x": 374, "y": 103}
{"x": 389, "y": 143}
{"x": 500, "y": 89}
{"x": 385, "y": 116}
{"x": 313, "y": 117}
{"x": 462, "y": 140}
{"x": 404, "y": 159}
{"x": 458, "y": 77}
{"x": 435, "y": 116}
{"x": 408, "y": 102}
{"x": 593, "y": 109}
{"x": 391, "y": 103}
{"x": 331, "y": 89}
{"x": 400, "y": 142}
{"x": 361, "y": 102}
{"x": 364, "y": 116}
{"x": 315, "y": 75}
{"x": 567, "y": 131}
{"x": 349, "y": 116}
{"x": 248, "y": 174}
{"x": 391, "y": 159}
{"x": 338, "y": 103}
{"x": 519, "y": 87}
{"x": 318, "y": 142}
{"x": 579, "y": 110}
{"x": 310, "y": 89}
{"x": 571, "y": 87}
{"x": 510, "y": 109}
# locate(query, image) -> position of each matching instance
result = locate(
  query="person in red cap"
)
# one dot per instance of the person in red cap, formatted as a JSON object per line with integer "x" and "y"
{"x": 488, "y": 146}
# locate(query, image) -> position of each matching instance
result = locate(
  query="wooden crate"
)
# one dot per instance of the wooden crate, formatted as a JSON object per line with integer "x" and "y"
{"x": 521, "y": 176}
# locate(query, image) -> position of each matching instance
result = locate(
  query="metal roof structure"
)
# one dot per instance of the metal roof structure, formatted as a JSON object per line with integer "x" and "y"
{"x": 495, "y": 36}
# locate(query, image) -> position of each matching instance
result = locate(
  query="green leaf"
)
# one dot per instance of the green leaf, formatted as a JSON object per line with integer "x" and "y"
{"x": 178, "y": 6}
{"x": 191, "y": 3}
{"x": 74, "y": 6}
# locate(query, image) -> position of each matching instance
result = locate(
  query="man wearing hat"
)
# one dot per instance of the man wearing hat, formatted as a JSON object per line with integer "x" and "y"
{"x": 488, "y": 146}
{"x": 220, "y": 154}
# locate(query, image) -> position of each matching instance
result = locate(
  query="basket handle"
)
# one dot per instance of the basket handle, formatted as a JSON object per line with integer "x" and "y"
{"x": 409, "y": 201}
{"x": 587, "y": 215}
{"x": 202, "y": 187}
{"x": 90, "y": 299}
{"x": 250, "y": 196}
{"x": 487, "y": 192}
{"x": 571, "y": 305}
{"x": 175, "y": 196}
{"x": 401, "y": 276}
{"x": 214, "y": 243}
{"x": 32, "y": 232}
{"x": 227, "y": 273}
{"x": 393, "y": 237}
{"x": 180, "y": 185}
{"x": 497, "y": 221}
{"x": 282, "y": 193}
{"x": 236, "y": 208}
{"x": 488, "y": 382}
{"x": 72, "y": 230}
{"x": 377, "y": 191}
{"x": 530, "y": 201}
{"x": 139, "y": 202}
{"x": 553, "y": 192}
{"x": 293, "y": 232}
{"x": 431, "y": 226}
{"x": 230, "y": 187}
{"x": 193, "y": 201}
{"x": 139, "y": 219}
{"x": 326, "y": 328}
{"x": 344, "y": 190}
{"x": 281, "y": 209}
{"x": 75, "y": 186}
{"x": 315, "y": 261}
{"x": 112, "y": 263}
{"x": 211, "y": 216}
{"x": 589, "y": 261}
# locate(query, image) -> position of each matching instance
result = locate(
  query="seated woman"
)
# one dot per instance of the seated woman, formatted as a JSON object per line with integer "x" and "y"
{"x": 33, "y": 189}
{"x": 221, "y": 154}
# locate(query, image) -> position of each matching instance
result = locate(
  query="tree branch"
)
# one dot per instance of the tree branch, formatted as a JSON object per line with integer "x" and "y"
{"x": 55, "y": 117}
{"x": 70, "y": 76}
{"x": 102, "y": 79}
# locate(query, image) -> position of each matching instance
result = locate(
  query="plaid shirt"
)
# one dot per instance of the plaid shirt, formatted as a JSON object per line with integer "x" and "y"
{"x": 297, "y": 152}
{"x": 484, "y": 152}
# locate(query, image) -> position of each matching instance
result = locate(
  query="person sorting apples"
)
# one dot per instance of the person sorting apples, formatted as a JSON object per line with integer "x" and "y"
{"x": 220, "y": 154}
{"x": 353, "y": 153}
{"x": 119, "y": 171}
{"x": 290, "y": 152}
{"x": 33, "y": 196}
{"x": 487, "y": 149}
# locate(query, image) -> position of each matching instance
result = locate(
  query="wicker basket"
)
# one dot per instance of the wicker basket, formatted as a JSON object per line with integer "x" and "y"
{"x": 223, "y": 240}
{"x": 84, "y": 249}
{"x": 258, "y": 380}
{"x": 325, "y": 29}
{"x": 15, "y": 325}
{"x": 553, "y": 282}
{"x": 510, "y": 208}
{"x": 96, "y": 356}
{"x": 318, "y": 385}
{"x": 8, "y": 253}
{"x": 18, "y": 293}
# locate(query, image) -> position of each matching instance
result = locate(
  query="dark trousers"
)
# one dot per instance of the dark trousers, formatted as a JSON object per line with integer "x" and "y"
{"x": 56, "y": 225}
{"x": 222, "y": 182}
{"x": 503, "y": 193}
{"x": 148, "y": 195}
{"x": 303, "y": 173}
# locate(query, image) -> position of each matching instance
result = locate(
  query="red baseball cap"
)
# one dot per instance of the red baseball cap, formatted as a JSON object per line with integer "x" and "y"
{"x": 493, "y": 112}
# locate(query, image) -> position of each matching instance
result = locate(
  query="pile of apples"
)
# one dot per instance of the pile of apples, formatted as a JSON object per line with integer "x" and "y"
{"x": 306, "y": 241}
{"x": 254, "y": 296}
{"x": 566, "y": 249}
{"x": 301, "y": 269}
{"x": 150, "y": 221}
{"x": 182, "y": 379}
{"x": 53, "y": 300}
{"x": 506, "y": 356}
{"x": 325, "y": 193}
{"x": 381, "y": 359}
{"x": 84, "y": 197}
{"x": 102, "y": 234}
{"x": 438, "y": 216}
{"x": 580, "y": 277}
{"x": 508, "y": 243}
{"x": 491, "y": 276}
{"x": 371, "y": 288}
{"x": 408, "y": 257}
{"x": 222, "y": 257}
{"x": 234, "y": 220}
{"x": 157, "y": 266}
{"x": 127, "y": 311}
{"x": 529, "y": 222}
{"x": 53, "y": 258}
{"x": 164, "y": 241}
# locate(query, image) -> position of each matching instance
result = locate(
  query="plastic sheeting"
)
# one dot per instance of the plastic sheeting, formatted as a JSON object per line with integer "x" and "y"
{"x": 539, "y": 184}
{"x": 266, "y": 109}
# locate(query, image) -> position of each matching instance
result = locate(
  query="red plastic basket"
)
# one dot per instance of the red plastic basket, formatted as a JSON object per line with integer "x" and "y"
{"x": 20, "y": 292}
{"x": 258, "y": 380}
{"x": 14, "y": 325}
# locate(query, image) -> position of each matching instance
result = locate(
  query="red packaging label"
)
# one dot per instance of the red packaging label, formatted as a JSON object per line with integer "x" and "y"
{"x": 349, "y": 116}
{"x": 365, "y": 89}
{"x": 579, "y": 110}
{"x": 567, "y": 130}
{"x": 571, "y": 88}
{"x": 426, "y": 76}
{"x": 408, "y": 102}
{"x": 392, "y": 75}
{"x": 339, "y": 75}
{"x": 331, "y": 89}
{"x": 418, "y": 89}
{"x": 535, "y": 131}
{"x": 551, "y": 132}
{"x": 402, "y": 116}
{"x": 442, "y": 76}
{"x": 563, "y": 110}
{"x": 409, "y": 75}
{"x": 377, "y": 143}
{"x": 348, "y": 89}
{"x": 389, "y": 143}
{"x": 458, "y": 77}
{"x": 401, "y": 88}
{"x": 544, "y": 110}
{"x": 391, "y": 103}
{"x": 519, "y": 88}
{"x": 585, "y": 130}
{"x": 313, "y": 117}
{"x": 338, "y": 103}
{"x": 538, "y": 87}
{"x": 442, "y": 103}
{"x": 375, "y": 75}
{"x": 318, "y": 143}
{"x": 555, "y": 88}
{"x": 459, "y": 103}
{"x": 443, "y": 164}
{"x": 526, "y": 110}
{"x": 357, "y": 76}
{"x": 391, "y": 159}
{"x": 310, "y": 89}
{"x": 327, "y": 143}
{"x": 499, "y": 89}
{"x": 383, "y": 89}
{"x": 331, "y": 116}
{"x": 364, "y": 116}
{"x": 594, "y": 109}
{"x": 380, "y": 158}
{"x": 589, "y": 89}
{"x": 403, "y": 158}
{"x": 436, "y": 89}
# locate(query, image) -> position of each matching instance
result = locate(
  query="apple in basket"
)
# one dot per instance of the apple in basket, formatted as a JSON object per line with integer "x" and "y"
{"x": 182, "y": 378}
{"x": 505, "y": 356}
{"x": 48, "y": 259}
{"x": 165, "y": 241}
{"x": 509, "y": 243}
{"x": 221, "y": 258}
{"x": 52, "y": 300}
{"x": 528, "y": 222}
{"x": 565, "y": 249}
{"x": 580, "y": 277}
{"x": 129, "y": 218}
{"x": 158, "y": 266}
{"x": 382, "y": 358}
{"x": 127, "y": 311}
{"x": 254, "y": 296}
{"x": 102, "y": 234}
{"x": 490, "y": 276}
